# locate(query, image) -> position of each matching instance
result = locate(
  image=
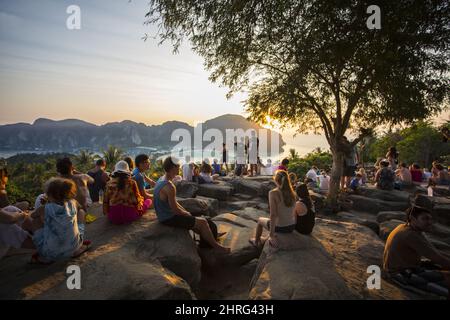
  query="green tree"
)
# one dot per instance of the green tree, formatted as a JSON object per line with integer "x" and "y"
{"x": 85, "y": 159}
{"x": 315, "y": 64}
{"x": 112, "y": 155}
{"x": 422, "y": 143}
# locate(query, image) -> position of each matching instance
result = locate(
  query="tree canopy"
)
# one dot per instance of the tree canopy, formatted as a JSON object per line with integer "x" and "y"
{"x": 315, "y": 65}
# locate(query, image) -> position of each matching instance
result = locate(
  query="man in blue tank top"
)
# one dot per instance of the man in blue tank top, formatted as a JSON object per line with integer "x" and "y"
{"x": 171, "y": 213}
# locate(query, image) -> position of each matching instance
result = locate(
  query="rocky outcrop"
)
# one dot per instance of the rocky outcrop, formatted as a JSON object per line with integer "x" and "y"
{"x": 186, "y": 189}
{"x": 200, "y": 206}
{"x": 373, "y": 205}
{"x": 385, "y": 195}
{"x": 391, "y": 215}
{"x": 220, "y": 191}
{"x": 174, "y": 248}
{"x": 330, "y": 264}
{"x": 143, "y": 260}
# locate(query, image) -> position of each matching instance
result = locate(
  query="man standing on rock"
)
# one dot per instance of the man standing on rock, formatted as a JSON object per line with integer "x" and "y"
{"x": 171, "y": 213}
{"x": 406, "y": 246}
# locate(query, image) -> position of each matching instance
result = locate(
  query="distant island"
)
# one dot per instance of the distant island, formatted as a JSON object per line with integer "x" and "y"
{"x": 72, "y": 135}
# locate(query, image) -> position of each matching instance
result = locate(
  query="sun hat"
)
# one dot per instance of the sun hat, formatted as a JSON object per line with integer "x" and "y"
{"x": 122, "y": 167}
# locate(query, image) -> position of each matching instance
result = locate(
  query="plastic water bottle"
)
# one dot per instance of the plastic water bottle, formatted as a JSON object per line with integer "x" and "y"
{"x": 100, "y": 196}
{"x": 430, "y": 191}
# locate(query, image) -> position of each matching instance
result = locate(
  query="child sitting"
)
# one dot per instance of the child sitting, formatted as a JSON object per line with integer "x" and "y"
{"x": 356, "y": 182}
{"x": 58, "y": 226}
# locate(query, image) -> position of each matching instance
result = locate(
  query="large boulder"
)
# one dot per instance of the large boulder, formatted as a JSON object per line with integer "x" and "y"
{"x": 359, "y": 218}
{"x": 391, "y": 215}
{"x": 174, "y": 248}
{"x": 238, "y": 232}
{"x": 200, "y": 206}
{"x": 251, "y": 213}
{"x": 391, "y": 195}
{"x": 116, "y": 276}
{"x": 330, "y": 264}
{"x": 387, "y": 227}
{"x": 186, "y": 189}
{"x": 219, "y": 191}
{"x": 125, "y": 262}
{"x": 247, "y": 186}
{"x": 373, "y": 205}
{"x": 302, "y": 269}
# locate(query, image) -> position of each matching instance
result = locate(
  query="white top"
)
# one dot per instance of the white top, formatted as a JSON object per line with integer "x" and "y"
{"x": 311, "y": 174}
{"x": 324, "y": 182}
{"x": 207, "y": 177}
{"x": 187, "y": 172}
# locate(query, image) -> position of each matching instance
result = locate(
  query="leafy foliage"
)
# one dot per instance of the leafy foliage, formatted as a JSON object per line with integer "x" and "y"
{"x": 321, "y": 159}
{"x": 315, "y": 65}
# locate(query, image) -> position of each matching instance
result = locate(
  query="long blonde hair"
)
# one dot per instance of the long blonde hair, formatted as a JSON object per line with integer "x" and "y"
{"x": 287, "y": 192}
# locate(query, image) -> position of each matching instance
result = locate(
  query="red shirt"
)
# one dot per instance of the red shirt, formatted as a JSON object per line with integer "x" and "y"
{"x": 416, "y": 175}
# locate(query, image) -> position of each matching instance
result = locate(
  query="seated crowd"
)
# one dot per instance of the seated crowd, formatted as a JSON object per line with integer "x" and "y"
{"x": 55, "y": 229}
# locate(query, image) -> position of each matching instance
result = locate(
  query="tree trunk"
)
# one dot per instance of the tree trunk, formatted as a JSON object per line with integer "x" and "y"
{"x": 336, "y": 173}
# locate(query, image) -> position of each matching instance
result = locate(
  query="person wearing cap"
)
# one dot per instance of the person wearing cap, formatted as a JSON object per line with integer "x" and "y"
{"x": 123, "y": 202}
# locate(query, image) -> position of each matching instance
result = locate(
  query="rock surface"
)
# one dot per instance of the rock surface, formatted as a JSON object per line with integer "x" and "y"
{"x": 373, "y": 205}
{"x": 330, "y": 264}
{"x": 221, "y": 191}
{"x": 130, "y": 261}
{"x": 391, "y": 215}
{"x": 186, "y": 189}
{"x": 200, "y": 206}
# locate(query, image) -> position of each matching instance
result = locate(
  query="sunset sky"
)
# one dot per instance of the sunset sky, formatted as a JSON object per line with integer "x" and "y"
{"x": 101, "y": 73}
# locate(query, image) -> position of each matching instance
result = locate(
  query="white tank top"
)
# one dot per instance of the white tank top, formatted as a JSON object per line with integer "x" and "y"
{"x": 286, "y": 215}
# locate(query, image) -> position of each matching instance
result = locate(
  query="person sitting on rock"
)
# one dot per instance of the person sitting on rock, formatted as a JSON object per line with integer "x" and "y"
{"x": 284, "y": 165}
{"x": 282, "y": 211}
{"x": 142, "y": 163}
{"x": 123, "y": 203}
{"x": 66, "y": 170}
{"x": 363, "y": 174}
{"x": 385, "y": 176}
{"x": 416, "y": 173}
{"x": 100, "y": 179}
{"x": 58, "y": 226}
{"x": 206, "y": 175}
{"x": 324, "y": 182}
{"x": 4, "y": 201}
{"x": 404, "y": 178}
{"x": 356, "y": 182}
{"x": 405, "y": 248}
{"x": 130, "y": 162}
{"x": 305, "y": 211}
{"x": 217, "y": 168}
{"x": 12, "y": 233}
{"x": 440, "y": 175}
{"x": 170, "y": 213}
